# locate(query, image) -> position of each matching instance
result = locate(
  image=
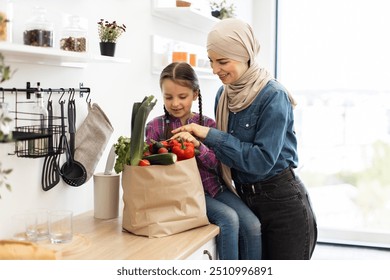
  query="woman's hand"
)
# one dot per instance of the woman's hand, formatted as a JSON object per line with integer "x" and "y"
{"x": 191, "y": 130}
{"x": 187, "y": 137}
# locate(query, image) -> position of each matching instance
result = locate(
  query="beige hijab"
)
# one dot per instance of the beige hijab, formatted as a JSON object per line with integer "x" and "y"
{"x": 234, "y": 39}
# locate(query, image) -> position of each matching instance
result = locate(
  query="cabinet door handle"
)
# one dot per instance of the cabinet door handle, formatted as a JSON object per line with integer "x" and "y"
{"x": 206, "y": 252}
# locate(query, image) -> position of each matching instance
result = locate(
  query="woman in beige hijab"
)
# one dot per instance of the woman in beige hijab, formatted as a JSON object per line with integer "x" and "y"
{"x": 256, "y": 142}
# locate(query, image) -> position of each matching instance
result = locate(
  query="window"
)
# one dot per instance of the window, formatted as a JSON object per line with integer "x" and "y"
{"x": 334, "y": 57}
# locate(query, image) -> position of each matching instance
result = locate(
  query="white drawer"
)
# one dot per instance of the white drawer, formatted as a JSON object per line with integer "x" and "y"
{"x": 207, "y": 251}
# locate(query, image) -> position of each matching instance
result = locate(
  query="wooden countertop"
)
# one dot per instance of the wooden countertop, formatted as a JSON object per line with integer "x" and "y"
{"x": 96, "y": 239}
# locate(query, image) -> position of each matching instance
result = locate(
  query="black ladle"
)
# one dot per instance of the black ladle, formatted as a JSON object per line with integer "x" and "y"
{"x": 72, "y": 172}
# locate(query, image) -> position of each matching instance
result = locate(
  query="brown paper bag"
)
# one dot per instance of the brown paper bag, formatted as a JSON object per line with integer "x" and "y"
{"x": 161, "y": 200}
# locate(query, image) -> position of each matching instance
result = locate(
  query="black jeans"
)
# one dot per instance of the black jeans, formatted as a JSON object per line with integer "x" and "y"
{"x": 288, "y": 223}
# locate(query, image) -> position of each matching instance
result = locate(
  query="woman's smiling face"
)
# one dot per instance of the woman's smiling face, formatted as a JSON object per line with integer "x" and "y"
{"x": 228, "y": 70}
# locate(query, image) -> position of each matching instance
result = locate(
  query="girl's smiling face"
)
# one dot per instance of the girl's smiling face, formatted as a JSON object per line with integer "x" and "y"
{"x": 228, "y": 70}
{"x": 178, "y": 100}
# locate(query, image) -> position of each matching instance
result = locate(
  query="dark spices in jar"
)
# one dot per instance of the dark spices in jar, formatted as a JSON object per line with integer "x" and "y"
{"x": 73, "y": 44}
{"x": 38, "y": 37}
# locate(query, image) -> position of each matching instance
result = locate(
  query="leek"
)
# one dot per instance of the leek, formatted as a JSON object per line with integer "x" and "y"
{"x": 139, "y": 116}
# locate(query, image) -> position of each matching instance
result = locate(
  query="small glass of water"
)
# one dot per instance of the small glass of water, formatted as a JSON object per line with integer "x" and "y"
{"x": 25, "y": 227}
{"x": 60, "y": 226}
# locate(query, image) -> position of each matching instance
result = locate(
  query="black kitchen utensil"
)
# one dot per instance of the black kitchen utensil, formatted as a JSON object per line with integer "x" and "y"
{"x": 50, "y": 174}
{"x": 72, "y": 124}
{"x": 72, "y": 172}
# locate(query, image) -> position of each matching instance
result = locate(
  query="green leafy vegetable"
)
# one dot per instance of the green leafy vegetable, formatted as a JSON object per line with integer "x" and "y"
{"x": 130, "y": 150}
{"x": 122, "y": 150}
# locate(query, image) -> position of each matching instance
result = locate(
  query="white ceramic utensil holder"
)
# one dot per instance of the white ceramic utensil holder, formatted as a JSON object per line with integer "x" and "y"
{"x": 106, "y": 195}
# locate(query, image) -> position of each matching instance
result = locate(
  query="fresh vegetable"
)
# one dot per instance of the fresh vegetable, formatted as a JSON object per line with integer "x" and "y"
{"x": 146, "y": 153}
{"x": 144, "y": 162}
{"x": 138, "y": 121}
{"x": 162, "y": 159}
{"x": 183, "y": 150}
{"x": 162, "y": 150}
{"x": 155, "y": 146}
{"x": 122, "y": 151}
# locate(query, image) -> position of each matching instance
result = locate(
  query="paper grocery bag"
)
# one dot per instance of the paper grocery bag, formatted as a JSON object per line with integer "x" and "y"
{"x": 161, "y": 200}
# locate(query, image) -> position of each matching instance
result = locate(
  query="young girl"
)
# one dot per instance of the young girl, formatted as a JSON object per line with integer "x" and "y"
{"x": 240, "y": 234}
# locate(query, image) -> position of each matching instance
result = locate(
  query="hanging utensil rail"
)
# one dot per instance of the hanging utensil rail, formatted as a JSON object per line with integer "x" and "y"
{"x": 31, "y": 140}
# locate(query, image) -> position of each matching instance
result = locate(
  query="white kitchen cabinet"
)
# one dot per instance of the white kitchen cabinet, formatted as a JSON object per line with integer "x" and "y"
{"x": 206, "y": 252}
{"x": 51, "y": 56}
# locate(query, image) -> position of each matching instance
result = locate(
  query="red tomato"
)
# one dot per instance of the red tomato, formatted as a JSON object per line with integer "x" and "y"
{"x": 147, "y": 153}
{"x": 162, "y": 151}
{"x": 144, "y": 162}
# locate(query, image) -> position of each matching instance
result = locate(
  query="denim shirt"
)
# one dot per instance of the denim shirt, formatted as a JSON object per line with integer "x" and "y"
{"x": 261, "y": 140}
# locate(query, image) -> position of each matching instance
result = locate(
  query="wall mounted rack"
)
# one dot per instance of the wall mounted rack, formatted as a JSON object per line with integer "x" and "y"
{"x": 29, "y": 136}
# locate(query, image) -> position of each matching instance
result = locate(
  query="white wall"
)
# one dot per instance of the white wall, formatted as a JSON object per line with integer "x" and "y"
{"x": 264, "y": 27}
{"x": 115, "y": 87}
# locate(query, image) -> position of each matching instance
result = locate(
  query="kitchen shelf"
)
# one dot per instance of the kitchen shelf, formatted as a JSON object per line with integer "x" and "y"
{"x": 51, "y": 56}
{"x": 186, "y": 16}
{"x": 162, "y": 55}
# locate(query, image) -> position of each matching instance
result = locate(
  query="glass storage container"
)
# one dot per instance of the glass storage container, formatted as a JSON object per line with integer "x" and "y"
{"x": 74, "y": 36}
{"x": 39, "y": 30}
{"x": 6, "y": 14}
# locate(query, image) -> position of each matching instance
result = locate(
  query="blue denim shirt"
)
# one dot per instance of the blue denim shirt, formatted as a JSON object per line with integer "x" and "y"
{"x": 261, "y": 140}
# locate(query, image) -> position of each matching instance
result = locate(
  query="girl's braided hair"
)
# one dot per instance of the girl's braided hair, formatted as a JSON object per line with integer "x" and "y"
{"x": 182, "y": 74}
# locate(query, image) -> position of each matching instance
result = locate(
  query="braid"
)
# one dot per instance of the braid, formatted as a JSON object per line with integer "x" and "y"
{"x": 167, "y": 132}
{"x": 166, "y": 114}
{"x": 201, "y": 121}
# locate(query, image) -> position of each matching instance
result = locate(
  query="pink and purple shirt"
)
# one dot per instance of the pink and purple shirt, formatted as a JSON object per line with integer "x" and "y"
{"x": 207, "y": 162}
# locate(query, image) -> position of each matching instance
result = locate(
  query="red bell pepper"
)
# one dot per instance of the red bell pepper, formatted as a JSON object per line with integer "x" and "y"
{"x": 183, "y": 150}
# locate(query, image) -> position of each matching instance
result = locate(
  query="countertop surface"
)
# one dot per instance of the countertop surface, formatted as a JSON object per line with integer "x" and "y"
{"x": 96, "y": 239}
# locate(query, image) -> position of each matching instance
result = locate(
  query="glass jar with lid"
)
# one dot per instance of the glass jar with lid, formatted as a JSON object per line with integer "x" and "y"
{"x": 39, "y": 30}
{"x": 74, "y": 36}
{"x": 6, "y": 14}
{"x": 3, "y": 25}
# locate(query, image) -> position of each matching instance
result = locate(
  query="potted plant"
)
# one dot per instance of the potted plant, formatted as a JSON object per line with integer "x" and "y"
{"x": 109, "y": 32}
{"x": 221, "y": 10}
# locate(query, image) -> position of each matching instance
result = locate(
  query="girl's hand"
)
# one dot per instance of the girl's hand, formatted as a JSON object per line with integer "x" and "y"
{"x": 192, "y": 128}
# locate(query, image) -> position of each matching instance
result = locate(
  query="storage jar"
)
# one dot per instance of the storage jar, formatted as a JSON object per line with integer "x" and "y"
{"x": 74, "y": 36}
{"x": 39, "y": 30}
